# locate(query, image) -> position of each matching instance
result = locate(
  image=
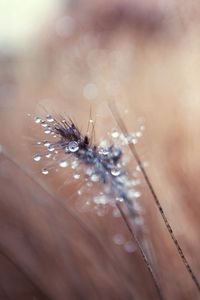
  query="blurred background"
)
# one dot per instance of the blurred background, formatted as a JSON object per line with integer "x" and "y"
{"x": 73, "y": 57}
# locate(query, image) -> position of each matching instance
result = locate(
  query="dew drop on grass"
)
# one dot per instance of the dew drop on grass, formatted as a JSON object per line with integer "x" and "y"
{"x": 51, "y": 148}
{"x": 95, "y": 177}
{"x": 44, "y": 124}
{"x": 38, "y": 120}
{"x": 115, "y": 172}
{"x": 47, "y": 144}
{"x": 76, "y": 176}
{"x": 49, "y": 118}
{"x": 130, "y": 247}
{"x": 118, "y": 239}
{"x": 115, "y": 133}
{"x": 73, "y": 146}
{"x": 119, "y": 199}
{"x": 45, "y": 171}
{"x": 37, "y": 157}
{"x": 63, "y": 164}
{"x": 47, "y": 130}
{"x": 101, "y": 199}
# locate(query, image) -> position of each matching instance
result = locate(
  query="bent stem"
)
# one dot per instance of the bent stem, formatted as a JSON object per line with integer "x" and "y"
{"x": 147, "y": 263}
{"x": 122, "y": 126}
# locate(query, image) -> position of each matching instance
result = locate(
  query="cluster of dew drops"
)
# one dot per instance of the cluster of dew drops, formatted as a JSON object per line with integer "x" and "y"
{"x": 60, "y": 158}
{"x": 50, "y": 146}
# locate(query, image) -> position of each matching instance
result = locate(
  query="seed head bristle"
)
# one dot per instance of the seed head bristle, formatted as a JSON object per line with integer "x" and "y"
{"x": 103, "y": 164}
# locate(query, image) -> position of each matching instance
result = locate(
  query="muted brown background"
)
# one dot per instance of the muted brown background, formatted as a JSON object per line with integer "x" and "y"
{"x": 145, "y": 56}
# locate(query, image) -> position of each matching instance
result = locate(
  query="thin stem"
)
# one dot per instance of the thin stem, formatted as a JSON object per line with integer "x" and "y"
{"x": 154, "y": 195}
{"x": 86, "y": 228}
{"x": 147, "y": 263}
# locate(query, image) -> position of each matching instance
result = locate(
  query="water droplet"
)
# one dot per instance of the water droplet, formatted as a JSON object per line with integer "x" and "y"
{"x": 44, "y": 124}
{"x": 138, "y": 134}
{"x": 137, "y": 194}
{"x": 135, "y": 182}
{"x": 37, "y": 157}
{"x": 138, "y": 168}
{"x": 38, "y": 120}
{"x": 130, "y": 247}
{"x": 77, "y": 176}
{"x": 142, "y": 127}
{"x": 118, "y": 239}
{"x": 74, "y": 164}
{"x": 134, "y": 141}
{"x": 79, "y": 192}
{"x": 48, "y": 155}
{"x": 89, "y": 171}
{"x": 39, "y": 143}
{"x": 145, "y": 164}
{"x": 115, "y": 172}
{"x": 115, "y": 133}
{"x": 47, "y": 144}
{"x": 49, "y": 118}
{"x": 89, "y": 184}
{"x": 47, "y": 130}
{"x": 51, "y": 147}
{"x": 45, "y": 171}
{"x": 104, "y": 144}
{"x": 95, "y": 177}
{"x": 119, "y": 199}
{"x": 73, "y": 146}
{"x": 134, "y": 194}
{"x": 101, "y": 199}
{"x": 63, "y": 164}
{"x": 104, "y": 151}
